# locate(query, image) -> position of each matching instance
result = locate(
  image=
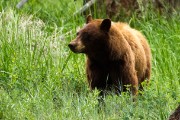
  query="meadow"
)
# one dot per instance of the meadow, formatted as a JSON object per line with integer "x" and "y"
{"x": 41, "y": 79}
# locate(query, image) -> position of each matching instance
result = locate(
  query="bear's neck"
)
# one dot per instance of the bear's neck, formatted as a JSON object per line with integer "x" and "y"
{"x": 100, "y": 58}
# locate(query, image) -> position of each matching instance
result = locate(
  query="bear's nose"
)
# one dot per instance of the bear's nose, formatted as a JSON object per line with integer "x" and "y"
{"x": 71, "y": 46}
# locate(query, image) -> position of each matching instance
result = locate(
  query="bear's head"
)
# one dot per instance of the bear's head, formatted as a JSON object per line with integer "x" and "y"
{"x": 92, "y": 39}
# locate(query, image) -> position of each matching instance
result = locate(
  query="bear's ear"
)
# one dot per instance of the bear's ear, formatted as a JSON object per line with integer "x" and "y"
{"x": 88, "y": 19}
{"x": 105, "y": 25}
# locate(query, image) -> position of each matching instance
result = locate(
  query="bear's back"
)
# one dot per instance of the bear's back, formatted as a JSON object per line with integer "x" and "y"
{"x": 140, "y": 48}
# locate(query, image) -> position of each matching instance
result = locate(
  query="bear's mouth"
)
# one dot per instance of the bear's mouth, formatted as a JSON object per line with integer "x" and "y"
{"x": 76, "y": 49}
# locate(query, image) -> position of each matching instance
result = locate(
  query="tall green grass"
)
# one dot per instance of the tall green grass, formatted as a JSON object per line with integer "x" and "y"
{"x": 41, "y": 79}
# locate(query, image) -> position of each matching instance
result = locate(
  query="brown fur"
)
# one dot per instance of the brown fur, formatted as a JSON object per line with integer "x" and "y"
{"x": 117, "y": 55}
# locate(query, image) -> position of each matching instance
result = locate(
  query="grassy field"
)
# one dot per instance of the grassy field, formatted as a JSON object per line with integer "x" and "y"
{"x": 40, "y": 78}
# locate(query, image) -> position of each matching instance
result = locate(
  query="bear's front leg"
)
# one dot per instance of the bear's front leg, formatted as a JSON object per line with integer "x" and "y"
{"x": 97, "y": 77}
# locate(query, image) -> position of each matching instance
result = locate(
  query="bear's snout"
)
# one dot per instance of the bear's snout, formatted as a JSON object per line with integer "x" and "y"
{"x": 76, "y": 46}
{"x": 72, "y": 46}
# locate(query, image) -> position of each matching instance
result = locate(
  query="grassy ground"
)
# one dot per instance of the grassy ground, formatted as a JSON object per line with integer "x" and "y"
{"x": 41, "y": 79}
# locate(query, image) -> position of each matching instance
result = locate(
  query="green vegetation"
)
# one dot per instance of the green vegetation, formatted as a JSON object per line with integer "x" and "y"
{"x": 41, "y": 79}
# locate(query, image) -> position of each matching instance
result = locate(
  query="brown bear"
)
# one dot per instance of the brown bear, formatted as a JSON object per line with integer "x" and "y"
{"x": 117, "y": 55}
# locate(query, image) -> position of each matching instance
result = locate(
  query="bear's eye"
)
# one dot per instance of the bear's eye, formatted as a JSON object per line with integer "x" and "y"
{"x": 86, "y": 36}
